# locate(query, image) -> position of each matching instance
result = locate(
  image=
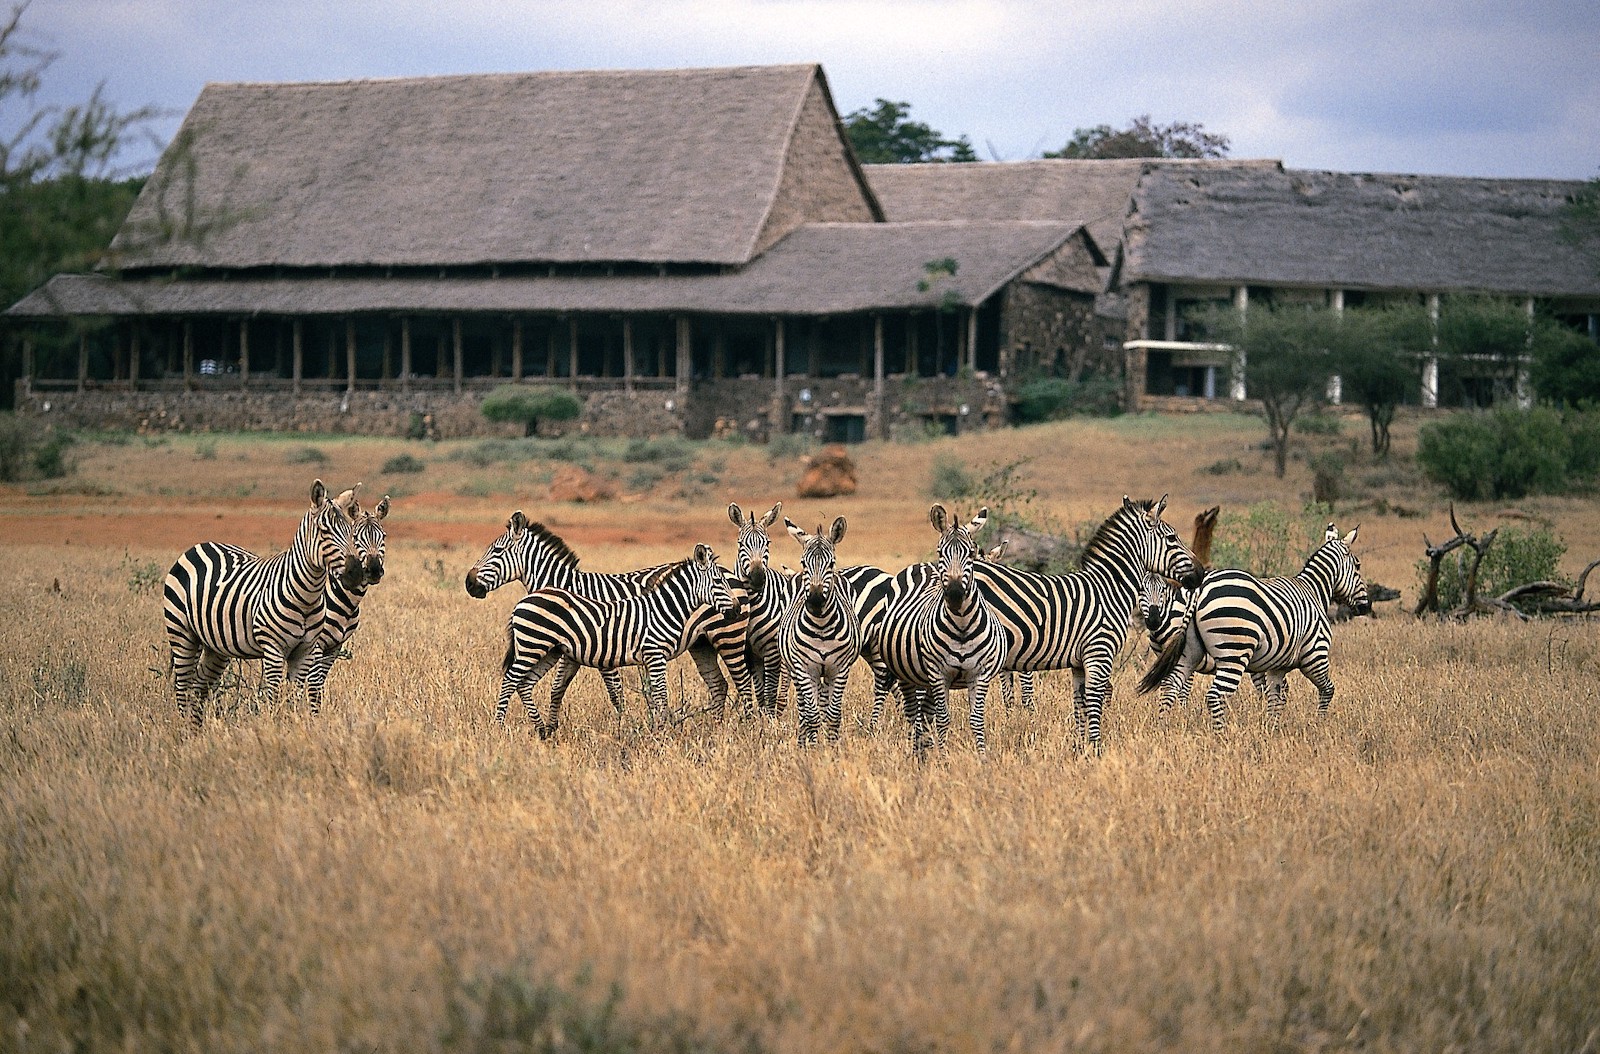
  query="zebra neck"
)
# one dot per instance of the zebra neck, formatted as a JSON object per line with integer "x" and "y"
{"x": 1318, "y": 577}
{"x": 301, "y": 569}
{"x": 542, "y": 573}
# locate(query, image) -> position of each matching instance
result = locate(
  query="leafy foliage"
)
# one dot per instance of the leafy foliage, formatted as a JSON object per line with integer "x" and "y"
{"x": 1268, "y": 540}
{"x": 1144, "y": 138}
{"x": 30, "y": 450}
{"x": 1052, "y": 398}
{"x": 1376, "y": 357}
{"x": 1505, "y": 453}
{"x": 885, "y": 134}
{"x": 1516, "y": 558}
{"x": 529, "y": 405}
{"x": 1566, "y": 365}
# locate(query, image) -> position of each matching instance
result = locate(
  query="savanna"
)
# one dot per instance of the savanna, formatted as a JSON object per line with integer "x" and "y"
{"x": 1418, "y": 869}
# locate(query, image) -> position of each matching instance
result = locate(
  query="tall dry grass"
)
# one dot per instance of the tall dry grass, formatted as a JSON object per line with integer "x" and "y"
{"x": 1418, "y": 870}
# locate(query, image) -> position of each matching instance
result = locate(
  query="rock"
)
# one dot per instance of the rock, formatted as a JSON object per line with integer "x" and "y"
{"x": 829, "y": 473}
{"x": 574, "y": 483}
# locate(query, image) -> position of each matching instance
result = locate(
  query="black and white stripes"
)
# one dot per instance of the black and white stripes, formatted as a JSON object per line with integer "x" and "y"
{"x": 819, "y": 635}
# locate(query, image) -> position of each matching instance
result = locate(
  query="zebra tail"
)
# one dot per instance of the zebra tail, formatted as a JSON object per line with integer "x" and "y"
{"x": 1167, "y": 661}
{"x": 511, "y": 649}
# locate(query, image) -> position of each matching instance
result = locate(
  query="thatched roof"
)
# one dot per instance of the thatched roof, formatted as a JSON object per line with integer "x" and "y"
{"x": 1093, "y": 193}
{"x": 819, "y": 269}
{"x": 1293, "y": 227}
{"x": 654, "y": 166}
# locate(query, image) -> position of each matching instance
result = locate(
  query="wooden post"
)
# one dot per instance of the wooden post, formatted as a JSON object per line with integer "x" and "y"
{"x": 405, "y": 355}
{"x": 972, "y": 339}
{"x": 780, "y": 408}
{"x": 516, "y": 351}
{"x": 877, "y": 376}
{"x": 550, "y": 350}
{"x": 188, "y": 355}
{"x": 298, "y": 353}
{"x": 572, "y": 351}
{"x": 83, "y": 361}
{"x": 350, "y": 354}
{"x": 388, "y": 351}
{"x": 244, "y": 352}
{"x": 458, "y": 341}
{"x": 133, "y": 359}
{"x": 685, "y": 353}
{"x": 27, "y": 365}
{"x": 913, "y": 337}
{"x": 627, "y": 353}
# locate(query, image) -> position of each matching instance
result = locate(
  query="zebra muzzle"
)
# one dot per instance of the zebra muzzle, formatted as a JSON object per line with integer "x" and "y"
{"x": 475, "y": 589}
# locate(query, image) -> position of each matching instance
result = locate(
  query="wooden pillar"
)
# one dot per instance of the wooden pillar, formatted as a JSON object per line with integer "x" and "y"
{"x": 572, "y": 351}
{"x": 516, "y": 350}
{"x": 685, "y": 353}
{"x": 133, "y": 359}
{"x": 27, "y": 365}
{"x": 188, "y": 355}
{"x": 349, "y": 354}
{"x": 972, "y": 339}
{"x": 780, "y": 399}
{"x": 388, "y": 351}
{"x": 83, "y": 361}
{"x": 457, "y": 340}
{"x": 405, "y": 355}
{"x": 912, "y": 339}
{"x": 297, "y": 353}
{"x": 244, "y": 352}
{"x": 877, "y": 377}
{"x": 550, "y": 350}
{"x": 627, "y": 353}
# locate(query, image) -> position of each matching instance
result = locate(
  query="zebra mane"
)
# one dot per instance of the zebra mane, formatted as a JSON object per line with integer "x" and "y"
{"x": 553, "y": 543}
{"x": 662, "y": 573}
{"x": 1100, "y": 542}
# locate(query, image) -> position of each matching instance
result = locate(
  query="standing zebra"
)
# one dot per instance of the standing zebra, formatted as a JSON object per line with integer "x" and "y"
{"x": 819, "y": 635}
{"x": 343, "y": 604}
{"x": 1079, "y": 620}
{"x": 770, "y": 593}
{"x": 938, "y": 633}
{"x": 995, "y": 555}
{"x": 531, "y": 552}
{"x": 1272, "y": 626}
{"x": 221, "y": 602}
{"x": 645, "y": 630}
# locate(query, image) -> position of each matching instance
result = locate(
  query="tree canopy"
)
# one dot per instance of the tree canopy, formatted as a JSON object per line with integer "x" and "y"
{"x": 1144, "y": 138}
{"x": 885, "y": 134}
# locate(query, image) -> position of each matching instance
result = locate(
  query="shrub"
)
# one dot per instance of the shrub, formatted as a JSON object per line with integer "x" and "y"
{"x": 672, "y": 453}
{"x": 790, "y": 445}
{"x": 1508, "y": 453}
{"x": 1052, "y": 398}
{"x": 1268, "y": 540}
{"x": 949, "y": 479}
{"x": 1516, "y": 558}
{"x": 31, "y": 450}
{"x": 403, "y": 463}
{"x": 528, "y": 406}
{"x": 307, "y": 455}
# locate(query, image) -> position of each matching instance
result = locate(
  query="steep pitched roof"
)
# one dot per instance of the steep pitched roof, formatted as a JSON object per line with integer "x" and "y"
{"x": 655, "y": 166}
{"x": 1093, "y": 193}
{"x": 1276, "y": 226}
{"x": 819, "y": 269}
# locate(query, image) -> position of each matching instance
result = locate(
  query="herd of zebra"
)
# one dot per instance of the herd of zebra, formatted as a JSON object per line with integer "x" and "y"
{"x": 960, "y": 621}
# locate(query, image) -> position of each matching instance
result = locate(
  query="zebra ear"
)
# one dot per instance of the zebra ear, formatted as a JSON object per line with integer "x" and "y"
{"x": 1159, "y": 508}
{"x": 735, "y": 514}
{"x": 1350, "y": 538}
{"x": 703, "y": 555}
{"x": 937, "y": 517}
{"x": 837, "y": 535}
{"x": 1330, "y": 533}
{"x": 994, "y": 554}
{"x": 518, "y": 522}
{"x": 347, "y": 502}
{"x": 382, "y": 509}
{"x": 979, "y": 522}
{"x": 796, "y": 533}
{"x": 772, "y": 515}
{"x": 319, "y": 493}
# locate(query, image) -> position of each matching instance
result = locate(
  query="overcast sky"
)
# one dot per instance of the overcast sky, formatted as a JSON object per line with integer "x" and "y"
{"x": 1456, "y": 87}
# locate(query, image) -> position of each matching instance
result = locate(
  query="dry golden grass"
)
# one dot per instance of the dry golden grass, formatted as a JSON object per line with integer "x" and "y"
{"x": 1418, "y": 870}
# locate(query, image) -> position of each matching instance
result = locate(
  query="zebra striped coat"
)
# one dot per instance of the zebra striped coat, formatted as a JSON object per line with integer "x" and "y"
{"x": 1272, "y": 626}
{"x": 551, "y": 625}
{"x": 533, "y": 553}
{"x": 342, "y": 614}
{"x": 1163, "y": 607}
{"x": 1079, "y": 620}
{"x": 819, "y": 635}
{"x": 938, "y": 633}
{"x": 221, "y": 602}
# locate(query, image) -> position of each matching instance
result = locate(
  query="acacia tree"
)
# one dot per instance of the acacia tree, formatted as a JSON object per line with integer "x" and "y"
{"x": 885, "y": 134}
{"x": 1286, "y": 357}
{"x": 1376, "y": 355}
{"x": 1144, "y": 138}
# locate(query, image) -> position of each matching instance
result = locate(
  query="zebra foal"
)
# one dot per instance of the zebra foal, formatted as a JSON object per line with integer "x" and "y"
{"x": 819, "y": 635}
{"x": 342, "y": 615}
{"x": 554, "y": 625}
{"x": 1272, "y": 626}
{"x": 221, "y": 602}
{"x": 770, "y": 594}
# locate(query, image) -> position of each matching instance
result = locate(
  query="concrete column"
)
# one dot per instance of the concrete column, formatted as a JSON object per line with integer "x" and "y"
{"x": 877, "y": 377}
{"x": 572, "y": 351}
{"x": 685, "y": 353}
{"x": 1430, "y": 366}
{"x": 972, "y": 340}
{"x": 1241, "y": 304}
{"x": 1336, "y": 382}
{"x": 133, "y": 359}
{"x": 188, "y": 354}
{"x": 1172, "y": 314}
{"x": 1523, "y": 388}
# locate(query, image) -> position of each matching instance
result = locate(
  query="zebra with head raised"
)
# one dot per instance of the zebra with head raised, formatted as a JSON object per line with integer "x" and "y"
{"x": 342, "y": 616}
{"x": 1245, "y": 624}
{"x": 531, "y": 552}
{"x": 1079, "y": 620}
{"x": 938, "y": 633}
{"x": 646, "y": 629}
{"x": 819, "y": 635}
{"x": 221, "y": 602}
{"x": 770, "y": 593}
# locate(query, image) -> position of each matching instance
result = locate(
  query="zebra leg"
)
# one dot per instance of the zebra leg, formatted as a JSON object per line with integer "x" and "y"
{"x": 911, "y": 702}
{"x": 1276, "y": 693}
{"x": 705, "y": 655}
{"x": 273, "y": 663}
{"x": 807, "y": 709}
{"x": 565, "y": 672}
{"x": 939, "y": 705}
{"x": 185, "y": 653}
{"x": 1025, "y": 678}
{"x": 655, "y": 673}
{"x": 1229, "y": 673}
{"x": 1006, "y": 678}
{"x": 315, "y": 675}
{"x": 613, "y": 683}
{"x": 1317, "y": 673}
{"x": 1096, "y": 690}
{"x": 1077, "y": 699}
{"x": 975, "y": 698}
{"x": 834, "y": 711}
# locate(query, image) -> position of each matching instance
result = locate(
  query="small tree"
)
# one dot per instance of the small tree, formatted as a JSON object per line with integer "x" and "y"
{"x": 885, "y": 134}
{"x": 1144, "y": 138}
{"x": 1285, "y": 353}
{"x": 1566, "y": 365}
{"x": 529, "y": 406}
{"x": 1376, "y": 358}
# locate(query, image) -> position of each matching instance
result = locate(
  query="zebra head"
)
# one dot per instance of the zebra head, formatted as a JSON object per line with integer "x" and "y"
{"x": 368, "y": 537}
{"x": 1348, "y": 585}
{"x": 1160, "y": 549}
{"x": 1161, "y": 606}
{"x": 958, "y": 552}
{"x": 750, "y": 565}
{"x": 333, "y": 526}
{"x": 818, "y": 561}
{"x": 708, "y": 584}
{"x": 505, "y": 559}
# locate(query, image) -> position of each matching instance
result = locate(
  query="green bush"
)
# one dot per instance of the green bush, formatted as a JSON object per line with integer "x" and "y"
{"x": 1516, "y": 558}
{"x": 949, "y": 479}
{"x": 1052, "y": 398}
{"x": 790, "y": 445}
{"x": 672, "y": 453}
{"x": 528, "y": 406}
{"x": 307, "y": 455}
{"x": 1267, "y": 539}
{"x": 1506, "y": 453}
{"x": 31, "y": 450}
{"x": 403, "y": 463}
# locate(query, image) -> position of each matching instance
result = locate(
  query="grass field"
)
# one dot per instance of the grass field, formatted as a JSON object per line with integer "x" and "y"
{"x": 1417, "y": 870}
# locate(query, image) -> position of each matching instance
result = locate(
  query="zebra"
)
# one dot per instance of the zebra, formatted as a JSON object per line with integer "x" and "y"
{"x": 530, "y": 551}
{"x": 1271, "y": 626}
{"x": 938, "y": 633}
{"x": 342, "y": 615}
{"x": 646, "y": 629}
{"x": 1080, "y": 620}
{"x": 994, "y": 555}
{"x": 221, "y": 602}
{"x": 819, "y": 636}
{"x": 770, "y": 594}
{"x": 1163, "y": 605}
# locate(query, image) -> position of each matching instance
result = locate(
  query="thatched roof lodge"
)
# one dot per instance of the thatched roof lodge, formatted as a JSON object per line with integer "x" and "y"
{"x": 613, "y": 231}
